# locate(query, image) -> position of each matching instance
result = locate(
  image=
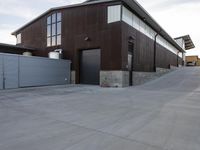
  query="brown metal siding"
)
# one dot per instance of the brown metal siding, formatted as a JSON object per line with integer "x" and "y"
{"x": 35, "y": 35}
{"x": 78, "y": 23}
{"x": 112, "y": 39}
{"x": 144, "y": 50}
{"x": 92, "y": 22}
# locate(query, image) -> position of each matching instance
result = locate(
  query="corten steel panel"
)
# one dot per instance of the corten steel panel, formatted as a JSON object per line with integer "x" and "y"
{"x": 90, "y": 66}
{"x": 36, "y": 71}
{"x": 11, "y": 71}
{"x": 144, "y": 50}
{"x": 1, "y": 72}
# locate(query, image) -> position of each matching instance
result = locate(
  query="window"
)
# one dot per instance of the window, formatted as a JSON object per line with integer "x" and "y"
{"x": 54, "y": 29}
{"x": 19, "y": 38}
{"x": 127, "y": 16}
{"x": 137, "y": 23}
{"x": 142, "y": 27}
{"x": 59, "y": 28}
{"x": 114, "y": 13}
{"x": 49, "y": 41}
{"x": 58, "y": 39}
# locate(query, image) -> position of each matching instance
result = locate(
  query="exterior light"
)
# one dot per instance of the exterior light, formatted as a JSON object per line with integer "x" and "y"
{"x": 87, "y": 38}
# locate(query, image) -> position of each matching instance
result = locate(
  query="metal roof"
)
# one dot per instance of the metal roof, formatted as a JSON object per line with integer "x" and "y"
{"x": 188, "y": 42}
{"x": 149, "y": 20}
{"x": 3, "y": 45}
{"x": 133, "y": 4}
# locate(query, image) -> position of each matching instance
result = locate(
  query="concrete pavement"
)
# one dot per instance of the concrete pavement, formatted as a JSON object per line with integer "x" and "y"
{"x": 163, "y": 114}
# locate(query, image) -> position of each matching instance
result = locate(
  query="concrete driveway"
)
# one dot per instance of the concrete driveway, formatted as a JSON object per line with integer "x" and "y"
{"x": 161, "y": 115}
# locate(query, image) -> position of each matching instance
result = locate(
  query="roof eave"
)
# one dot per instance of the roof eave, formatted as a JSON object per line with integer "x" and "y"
{"x": 148, "y": 19}
{"x": 188, "y": 42}
{"x": 17, "y": 47}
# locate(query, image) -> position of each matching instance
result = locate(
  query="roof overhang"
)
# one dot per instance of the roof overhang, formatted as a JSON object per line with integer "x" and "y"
{"x": 188, "y": 42}
{"x": 140, "y": 11}
{"x": 3, "y": 45}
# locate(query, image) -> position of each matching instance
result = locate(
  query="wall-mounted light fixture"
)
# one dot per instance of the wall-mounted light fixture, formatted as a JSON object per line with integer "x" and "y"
{"x": 87, "y": 38}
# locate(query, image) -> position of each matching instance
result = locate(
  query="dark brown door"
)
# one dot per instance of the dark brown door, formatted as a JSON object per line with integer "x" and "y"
{"x": 90, "y": 66}
{"x": 130, "y": 61}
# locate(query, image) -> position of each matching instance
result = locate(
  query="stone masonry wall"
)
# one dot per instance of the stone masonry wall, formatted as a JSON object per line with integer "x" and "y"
{"x": 143, "y": 77}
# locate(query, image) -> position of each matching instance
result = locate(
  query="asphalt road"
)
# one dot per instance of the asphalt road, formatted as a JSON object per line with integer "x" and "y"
{"x": 163, "y": 114}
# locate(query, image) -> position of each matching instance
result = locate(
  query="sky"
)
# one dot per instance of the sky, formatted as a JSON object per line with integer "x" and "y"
{"x": 177, "y": 17}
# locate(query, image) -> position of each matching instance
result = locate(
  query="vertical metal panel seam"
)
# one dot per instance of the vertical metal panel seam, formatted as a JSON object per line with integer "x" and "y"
{"x": 3, "y": 68}
{"x": 18, "y": 70}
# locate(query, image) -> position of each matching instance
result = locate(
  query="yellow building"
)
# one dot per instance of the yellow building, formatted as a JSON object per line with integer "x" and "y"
{"x": 198, "y": 62}
{"x": 192, "y": 61}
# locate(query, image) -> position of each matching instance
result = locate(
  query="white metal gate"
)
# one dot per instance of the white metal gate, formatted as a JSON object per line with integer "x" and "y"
{"x": 20, "y": 71}
{"x": 11, "y": 71}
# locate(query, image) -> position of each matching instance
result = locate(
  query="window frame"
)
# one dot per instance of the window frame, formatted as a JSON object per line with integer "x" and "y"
{"x": 54, "y": 21}
{"x": 114, "y": 13}
{"x": 19, "y": 38}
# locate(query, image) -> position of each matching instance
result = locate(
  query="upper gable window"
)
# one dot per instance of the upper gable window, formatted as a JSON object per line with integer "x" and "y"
{"x": 19, "y": 38}
{"x": 114, "y": 13}
{"x": 54, "y": 27}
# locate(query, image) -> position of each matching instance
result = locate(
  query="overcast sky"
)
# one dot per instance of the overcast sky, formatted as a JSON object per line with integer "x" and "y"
{"x": 177, "y": 17}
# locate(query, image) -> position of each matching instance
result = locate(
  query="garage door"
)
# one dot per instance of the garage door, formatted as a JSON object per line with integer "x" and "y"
{"x": 1, "y": 72}
{"x": 90, "y": 66}
{"x": 11, "y": 72}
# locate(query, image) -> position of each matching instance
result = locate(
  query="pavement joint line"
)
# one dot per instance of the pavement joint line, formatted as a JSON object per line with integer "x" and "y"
{"x": 109, "y": 134}
{"x": 96, "y": 130}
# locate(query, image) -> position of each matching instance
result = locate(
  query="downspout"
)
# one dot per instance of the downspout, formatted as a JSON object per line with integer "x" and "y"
{"x": 155, "y": 50}
{"x": 178, "y": 58}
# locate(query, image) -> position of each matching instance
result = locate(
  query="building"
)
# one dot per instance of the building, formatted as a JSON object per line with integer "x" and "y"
{"x": 108, "y": 41}
{"x": 192, "y": 61}
{"x": 186, "y": 43}
{"x": 198, "y": 62}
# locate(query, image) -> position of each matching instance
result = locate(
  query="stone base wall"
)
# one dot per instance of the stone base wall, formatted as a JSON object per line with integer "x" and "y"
{"x": 73, "y": 77}
{"x": 114, "y": 78}
{"x": 143, "y": 77}
{"x": 121, "y": 78}
{"x": 173, "y": 67}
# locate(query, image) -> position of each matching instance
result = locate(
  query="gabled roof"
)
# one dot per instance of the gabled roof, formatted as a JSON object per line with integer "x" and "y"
{"x": 133, "y": 4}
{"x": 59, "y": 8}
{"x": 188, "y": 42}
